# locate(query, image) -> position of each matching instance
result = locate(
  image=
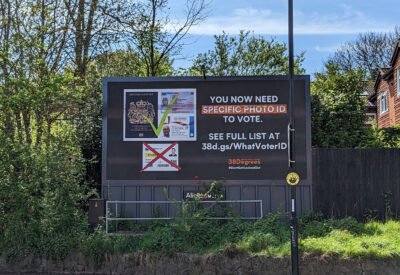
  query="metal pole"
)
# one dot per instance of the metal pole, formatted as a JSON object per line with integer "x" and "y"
{"x": 291, "y": 150}
{"x": 106, "y": 217}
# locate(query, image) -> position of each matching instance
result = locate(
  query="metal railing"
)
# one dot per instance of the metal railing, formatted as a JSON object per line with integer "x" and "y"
{"x": 116, "y": 218}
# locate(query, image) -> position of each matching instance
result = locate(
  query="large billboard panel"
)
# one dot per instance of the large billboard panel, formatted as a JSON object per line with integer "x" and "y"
{"x": 183, "y": 130}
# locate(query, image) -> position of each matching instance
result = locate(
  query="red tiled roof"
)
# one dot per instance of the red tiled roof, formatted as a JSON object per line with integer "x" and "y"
{"x": 384, "y": 73}
{"x": 370, "y": 88}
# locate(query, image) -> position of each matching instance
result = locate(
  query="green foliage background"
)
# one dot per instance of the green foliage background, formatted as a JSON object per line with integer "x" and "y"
{"x": 244, "y": 54}
{"x": 337, "y": 108}
{"x": 338, "y": 112}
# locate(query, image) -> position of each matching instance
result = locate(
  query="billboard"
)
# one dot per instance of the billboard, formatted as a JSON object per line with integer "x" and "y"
{"x": 187, "y": 129}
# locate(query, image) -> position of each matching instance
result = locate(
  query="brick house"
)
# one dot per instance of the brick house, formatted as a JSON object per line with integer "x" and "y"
{"x": 387, "y": 92}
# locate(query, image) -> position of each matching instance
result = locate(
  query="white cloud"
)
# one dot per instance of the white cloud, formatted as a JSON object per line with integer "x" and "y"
{"x": 246, "y": 12}
{"x": 347, "y": 20}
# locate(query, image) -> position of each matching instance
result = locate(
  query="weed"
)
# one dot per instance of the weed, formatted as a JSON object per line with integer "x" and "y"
{"x": 387, "y": 198}
{"x": 370, "y": 214}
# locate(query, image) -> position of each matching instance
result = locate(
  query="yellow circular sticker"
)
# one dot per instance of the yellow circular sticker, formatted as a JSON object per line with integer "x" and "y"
{"x": 292, "y": 178}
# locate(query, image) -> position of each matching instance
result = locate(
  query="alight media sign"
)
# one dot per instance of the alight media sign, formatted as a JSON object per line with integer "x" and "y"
{"x": 186, "y": 129}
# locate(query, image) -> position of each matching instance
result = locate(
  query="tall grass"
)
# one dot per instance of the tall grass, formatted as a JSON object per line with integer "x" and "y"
{"x": 269, "y": 236}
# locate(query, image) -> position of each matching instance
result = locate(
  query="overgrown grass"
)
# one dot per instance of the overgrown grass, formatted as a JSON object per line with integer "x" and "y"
{"x": 269, "y": 236}
{"x": 370, "y": 240}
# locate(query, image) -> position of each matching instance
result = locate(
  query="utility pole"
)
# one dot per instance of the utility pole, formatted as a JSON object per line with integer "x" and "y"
{"x": 292, "y": 177}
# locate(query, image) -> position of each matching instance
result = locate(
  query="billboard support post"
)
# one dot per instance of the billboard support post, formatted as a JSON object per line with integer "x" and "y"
{"x": 291, "y": 149}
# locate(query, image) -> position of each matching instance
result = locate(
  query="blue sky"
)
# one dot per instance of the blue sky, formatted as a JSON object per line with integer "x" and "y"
{"x": 320, "y": 26}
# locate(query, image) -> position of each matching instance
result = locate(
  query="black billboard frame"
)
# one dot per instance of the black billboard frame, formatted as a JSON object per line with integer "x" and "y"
{"x": 194, "y": 182}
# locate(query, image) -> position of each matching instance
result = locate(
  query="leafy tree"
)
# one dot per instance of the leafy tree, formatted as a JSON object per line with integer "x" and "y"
{"x": 94, "y": 27}
{"x": 150, "y": 44}
{"x": 127, "y": 63}
{"x": 369, "y": 51}
{"x": 382, "y": 137}
{"x": 36, "y": 88}
{"x": 156, "y": 35}
{"x": 41, "y": 164}
{"x": 337, "y": 108}
{"x": 244, "y": 55}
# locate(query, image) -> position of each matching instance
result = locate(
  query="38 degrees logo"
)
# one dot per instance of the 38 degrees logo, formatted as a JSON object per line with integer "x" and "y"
{"x": 157, "y": 131}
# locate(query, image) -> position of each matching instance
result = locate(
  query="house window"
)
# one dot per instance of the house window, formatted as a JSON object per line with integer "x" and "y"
{"x": 383, "y": 103}
{"x": 398, "y": 81}
{"x": 370, "y": 118}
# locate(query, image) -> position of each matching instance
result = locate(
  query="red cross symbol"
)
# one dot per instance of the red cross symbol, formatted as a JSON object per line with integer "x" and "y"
{"x": 160, "y": 156}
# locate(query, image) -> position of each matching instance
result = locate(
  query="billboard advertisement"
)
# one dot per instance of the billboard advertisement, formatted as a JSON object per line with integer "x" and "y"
{"x": 188, "y": 129}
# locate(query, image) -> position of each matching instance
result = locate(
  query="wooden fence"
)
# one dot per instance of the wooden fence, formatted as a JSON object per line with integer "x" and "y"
{"x": 361, "y": 183}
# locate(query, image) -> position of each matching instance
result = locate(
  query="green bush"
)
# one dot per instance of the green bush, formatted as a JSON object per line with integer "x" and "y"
{"x": 235, "y": 230}
{"x": 166, "y": 239}
{"x": 56, "y": 247}
{"x": 381, "y": 137}
{"x": 259, "y": 242}
{"x": 41, "y": 194}
{"x": 350, "y": 224}
{"x": 273, "y": 224}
